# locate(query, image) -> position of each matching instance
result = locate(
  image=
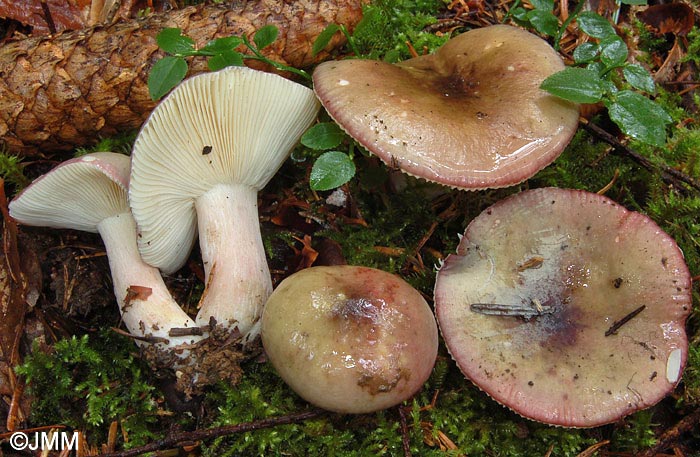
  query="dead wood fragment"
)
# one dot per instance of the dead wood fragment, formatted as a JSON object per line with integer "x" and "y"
{"x": 67, "y": 90}
{"x": 669, "y": 174}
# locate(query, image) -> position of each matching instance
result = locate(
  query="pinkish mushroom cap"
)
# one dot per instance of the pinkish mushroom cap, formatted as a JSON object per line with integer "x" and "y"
{"x": 566, "y": 307}
{"x": 471, "y": 115}
{"x": 350, "y": 339}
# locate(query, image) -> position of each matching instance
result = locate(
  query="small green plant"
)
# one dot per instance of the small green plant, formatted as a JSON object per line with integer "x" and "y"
{"x": 12, "y": 170}
{"x": 332, "y": 168}
{"x": 601, "y": 72}
{"x": 220, "y": 53}
{"x": 86, "y": 383}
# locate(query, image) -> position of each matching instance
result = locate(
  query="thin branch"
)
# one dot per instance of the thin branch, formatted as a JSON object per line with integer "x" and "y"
{"x": 668, "y": 173}
{"x": 177, "y": 439}
{"x": 617, "y": 324}
{"x": 48, "y": 17}
{"x": 688, "y": 423}
{"x": 405, "y": 438}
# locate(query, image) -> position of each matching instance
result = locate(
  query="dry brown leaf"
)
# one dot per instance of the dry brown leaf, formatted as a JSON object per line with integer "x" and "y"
{"x": 675, "y": 18}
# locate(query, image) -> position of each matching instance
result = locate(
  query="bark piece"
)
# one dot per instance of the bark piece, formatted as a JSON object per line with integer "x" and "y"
{"x": 70, "y": 89}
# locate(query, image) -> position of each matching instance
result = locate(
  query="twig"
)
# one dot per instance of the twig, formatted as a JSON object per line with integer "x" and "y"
{"x": 405, "y": 439}
{"x": 145, "y": 339}
{"x": 211, "y": 433}
{"x": 48, "y": 17}
{"x": 688, "y": 423}
{"x": 617, "y": 324}
{"x": 187, "y": 331}
{"x": 668, "y": 173}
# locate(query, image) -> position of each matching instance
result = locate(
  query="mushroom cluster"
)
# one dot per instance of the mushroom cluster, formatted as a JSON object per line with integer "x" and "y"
{"x": 566, "y": 307}
{"x": 560, "y": 304}
{"x": 199, "y": 160}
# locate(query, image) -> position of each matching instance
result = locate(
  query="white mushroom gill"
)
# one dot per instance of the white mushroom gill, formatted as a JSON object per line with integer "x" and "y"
{"x": 89, "y": 194}
{"x": 197, "y": 165}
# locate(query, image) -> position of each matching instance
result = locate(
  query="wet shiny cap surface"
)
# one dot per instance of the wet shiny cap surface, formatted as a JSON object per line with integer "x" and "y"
{"x": 470, "y": 116}
{"x": 566, "y": 307}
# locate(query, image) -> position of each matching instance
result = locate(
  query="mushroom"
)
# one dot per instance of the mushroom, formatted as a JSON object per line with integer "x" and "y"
{"x": 198, "y": 163}
{"x": 566, "y": 307}
{"x": 470, "y": 116}
{"x": 350, "y": 339}
{"x": 89, "y": 193}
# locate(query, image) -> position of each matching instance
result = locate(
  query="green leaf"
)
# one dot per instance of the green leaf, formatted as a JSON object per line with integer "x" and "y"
{"x": 613, "y": 51}
{"x": 519, "y": 13}
{"x": 324, "y": 38}
{"x": 586, "y": 52}
{"x": 543, "y": 5}
{"x": 639, "y": 117}
{"x": 595, "y": 25}
{"x": 173, "y": 42}
{"x": 225, "y": 59}
{"x": 544, "y": 22}
{"x": 639, "y": 78}
{"x": 265, "y": 36}
{"x": 322, "y": 136}
{"x": 166, "y": 73}
{"x": 220, "y": 45}
{"x": 332, "y": 169}
{"x": 575, "y": 84}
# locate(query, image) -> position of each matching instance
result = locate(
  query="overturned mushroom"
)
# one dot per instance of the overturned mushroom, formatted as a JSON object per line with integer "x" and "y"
{"x": 471, "y": 115}
{"x": 89, "y": 193}
{"x": 198, "y": 164}
{"x": 566, "y": 307}
{"x": 350, "y": 339}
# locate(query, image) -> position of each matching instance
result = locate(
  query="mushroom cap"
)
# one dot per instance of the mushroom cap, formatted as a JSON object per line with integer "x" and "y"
{"x": 233, "y": 126}
{"x": 471, "y": 115}
{"x": 588, "y": 263}
{"x": 78, "y": 194}
{"x": 350, "y": 339}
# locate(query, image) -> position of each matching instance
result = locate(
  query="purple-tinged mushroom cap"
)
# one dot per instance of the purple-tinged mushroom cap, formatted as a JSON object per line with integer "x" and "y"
{"x": 566, "y": 307}
{"x": 350, "y": 339}
{"x": 471, "y": 115}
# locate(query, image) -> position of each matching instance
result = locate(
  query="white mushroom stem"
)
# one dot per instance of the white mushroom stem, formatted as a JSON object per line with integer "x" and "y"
{"x": 237, "y": 276}
{"x": 147, "y": 308}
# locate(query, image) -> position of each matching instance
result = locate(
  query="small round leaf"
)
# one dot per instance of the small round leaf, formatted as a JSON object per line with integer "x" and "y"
{"x": 265, "y": 36}
{"x": 165, "y": 74}
{"x": 639, "y": 117}
{"x": 595, "y": 25}
{"x": 586, "y": 52}
{"x": 613, "y": 51}
{"x": 332, "y": 169}
{"x": 173, "y": 42}
{"x": 323, "y": 136}
{"x": 578, "y": 85}
{"x": 225, "y": 59}
{"x": 639, "y": 78}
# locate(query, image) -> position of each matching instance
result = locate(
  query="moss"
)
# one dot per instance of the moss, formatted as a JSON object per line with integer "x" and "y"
{"x": 12, "y": 171}
{"x": 388, "y": 26}
{"x": 87, "y": 382}
{"x": 122, "y": 144}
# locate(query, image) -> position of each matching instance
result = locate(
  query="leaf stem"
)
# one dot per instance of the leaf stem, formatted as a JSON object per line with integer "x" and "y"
{"x": 257, "y": 55}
